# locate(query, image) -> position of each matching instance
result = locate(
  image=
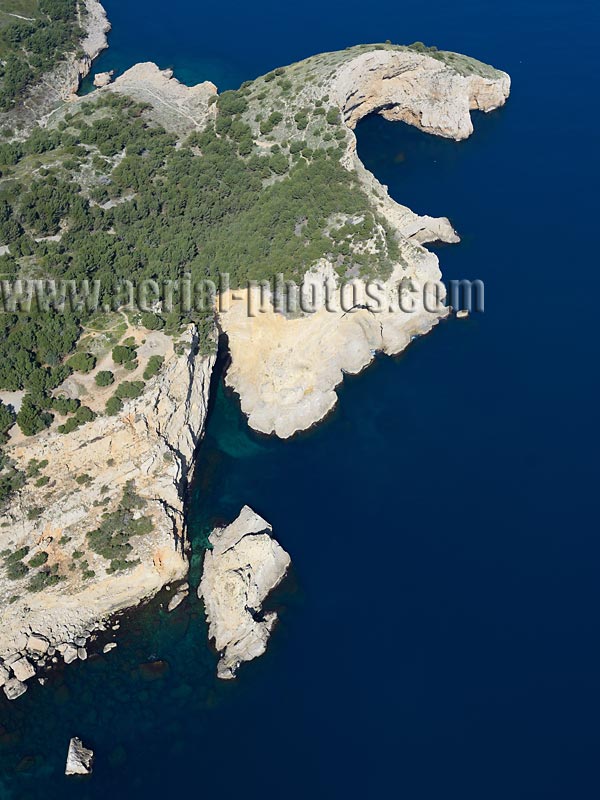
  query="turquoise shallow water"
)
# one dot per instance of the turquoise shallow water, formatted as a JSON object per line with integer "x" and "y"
{"x": 438, "y": 632}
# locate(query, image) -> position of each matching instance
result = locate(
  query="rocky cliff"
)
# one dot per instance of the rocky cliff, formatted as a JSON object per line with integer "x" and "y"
{"x": 243, "y": 567}
{"x": 145, "y": 455}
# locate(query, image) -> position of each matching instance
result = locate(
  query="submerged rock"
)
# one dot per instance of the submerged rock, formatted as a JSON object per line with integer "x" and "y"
{"x": 79, "y": 758}
{"x": 243, "y": 567}
{"x": 154, "y": 670}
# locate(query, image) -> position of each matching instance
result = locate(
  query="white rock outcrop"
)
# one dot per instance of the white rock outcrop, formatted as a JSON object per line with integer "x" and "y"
{"x": 178, "y": 598}
{"x": 243, "y": 567}
{"x": 79, "y": 758}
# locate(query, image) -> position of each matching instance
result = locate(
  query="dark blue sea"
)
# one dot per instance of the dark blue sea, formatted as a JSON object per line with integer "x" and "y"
{"x": 439, "y": 635}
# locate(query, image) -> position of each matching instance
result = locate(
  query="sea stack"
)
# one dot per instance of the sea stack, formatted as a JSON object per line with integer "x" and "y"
{"x": 243, "y": 567}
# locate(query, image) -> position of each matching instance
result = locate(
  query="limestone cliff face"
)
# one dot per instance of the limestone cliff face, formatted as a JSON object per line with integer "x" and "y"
{"x": 285, "y": 369}
{"x": 243, "y": 567}
{"x": 63, "y": 81}
{"x": 150, "y": 444}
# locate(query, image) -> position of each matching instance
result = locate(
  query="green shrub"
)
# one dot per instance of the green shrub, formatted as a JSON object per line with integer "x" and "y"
{"x": 82, "y": 362}
{"x": 128, "y": 390}
{"x": 153, "y": 367}
{"x": 38, "y": 560}
{"x": 16, "y": 570}
{"x": 231, "y": 103}
{"x": 111, "y": 539}
{"x": 34, "y": 467}
{"x": 113, "y": 406}
{"x": 84, "y": 414}
{"x": 7, "y": 420}
{"x": 122, "y": 353}
{"x": 18, "y": 555}
{"x": 32, "y": 418}
{"x": 152, "y": 321}
{"x": 65, "y": 405}
{"x": 43, "y": 580}
{"x": 104, "y": 378}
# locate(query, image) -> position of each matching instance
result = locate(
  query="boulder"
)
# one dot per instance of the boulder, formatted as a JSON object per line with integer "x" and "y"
{"x": 108, "y": 647}
{"x": 70, "y": 654}
{"x": 14, "y": 688}
{"x": 4, "y": 675}
{"x": 23, "y": 669}
{"x": 79, "y": 758}
{"x": 38, "y": 644}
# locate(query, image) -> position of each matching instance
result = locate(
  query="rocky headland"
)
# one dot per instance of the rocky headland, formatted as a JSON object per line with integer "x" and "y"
{"x": 285, "y": 367}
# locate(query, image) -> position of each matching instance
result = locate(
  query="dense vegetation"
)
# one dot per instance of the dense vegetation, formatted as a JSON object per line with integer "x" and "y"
{"x": 30, "y": 47}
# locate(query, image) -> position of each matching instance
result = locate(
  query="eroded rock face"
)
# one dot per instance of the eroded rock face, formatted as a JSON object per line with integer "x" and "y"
{"x": 79, "y": 758}
{"x": 149, "y": 445}
{"x": 243, "y": 567}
